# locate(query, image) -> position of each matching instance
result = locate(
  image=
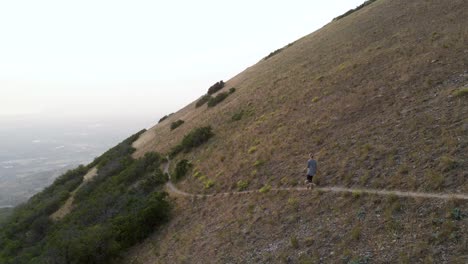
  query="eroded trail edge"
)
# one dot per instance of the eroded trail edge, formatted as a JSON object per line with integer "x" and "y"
{"x": 444, "y": 196}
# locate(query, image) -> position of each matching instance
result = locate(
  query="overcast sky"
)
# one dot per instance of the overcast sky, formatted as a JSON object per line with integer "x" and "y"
{"x": 148, "y": 58}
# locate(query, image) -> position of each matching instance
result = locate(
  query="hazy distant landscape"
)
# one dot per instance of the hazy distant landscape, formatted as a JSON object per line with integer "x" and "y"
{"x": 33, "y": 152}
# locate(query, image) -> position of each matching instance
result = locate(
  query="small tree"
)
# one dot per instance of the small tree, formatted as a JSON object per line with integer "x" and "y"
{"x": 181, "y": 169}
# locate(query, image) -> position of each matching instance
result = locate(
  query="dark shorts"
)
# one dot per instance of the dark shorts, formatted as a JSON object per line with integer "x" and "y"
{"x": 309, "y": 178}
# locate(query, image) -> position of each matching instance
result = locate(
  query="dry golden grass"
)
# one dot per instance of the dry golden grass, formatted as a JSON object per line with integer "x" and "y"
{"x": 362, "y": 89}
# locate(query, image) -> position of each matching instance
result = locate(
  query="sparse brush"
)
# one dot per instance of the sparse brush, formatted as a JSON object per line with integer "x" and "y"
{"x": 237, "y": 116}
{"x": 258, "y": 163}
{"x": 252, "y": 149}
{"x": 294, "y": 242}
{"x": 461, "y": 92}
{"x": 447, "y": 163}
{"x": 205, "y": 98}
{"x": 242, "y": 185}
{"x": 265, "y": 189}
{"x": 176, "y": 124}
{"x": 356, "y": 233}
{"x": 213, "y": 101}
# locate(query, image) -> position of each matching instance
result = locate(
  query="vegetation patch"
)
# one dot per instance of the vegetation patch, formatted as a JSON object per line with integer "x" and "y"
{"x": 265, "y": 188}
{"x": 176, "y": 124}
{"x": 447, "y": 163}
{"x": 258, "y": 163}
{"x": 195, "y": 138}
{"x": 366, "y": 3}
{"x": 181, "y": 169}
{"x": 461, "y": 92}
{"x": 242, "y": 185}
{"x": 232, "y": 90}
{"x": 237, "y": 116}
{"x": 278, "y": 51}
{"x": 109, "y": 216}
{"x": 213, "y": 101}
{"x": 252, "y": 150}
{"x": 216, "y": 87}
{"x": 205, "y": 98}
{"x": 164, "y": 117}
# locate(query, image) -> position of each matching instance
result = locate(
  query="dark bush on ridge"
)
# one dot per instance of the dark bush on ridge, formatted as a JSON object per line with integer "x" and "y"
{"x": 164, "y": 117}
{"x": 176, "y": 124}
{"x": 366, "y": 3}
{"x": 216, "y": 87}
{"x": 181, "y": 169}
{"x": 217, "y": 99}
{"x": 205, "y": 98}
{"x": 192, "y": 140}
{"x": 232, "y": 90}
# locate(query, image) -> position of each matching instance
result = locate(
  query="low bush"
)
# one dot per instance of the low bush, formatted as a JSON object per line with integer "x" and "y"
{"x": 294, "y": 242}
{"x": 205, "y": 98}
{"x": 265, "y": 189}
{"x": 192, "y": 140}
{"x": 242, "y": 185}
{"x": 164, "y": 117}
{"x": 181, "y": 169}
{"x": 213, "y": 101}
{"x": 277, "y": 51}
{"x": 366, "y": 3}
{"x": 216, "y": 87}
{"x": 461, "y": 92}
{"x": 176, "y": 124}
{"x": 252, "y": 149}
{"x": 232, "y": 90}
{"x": 237, "y": 116}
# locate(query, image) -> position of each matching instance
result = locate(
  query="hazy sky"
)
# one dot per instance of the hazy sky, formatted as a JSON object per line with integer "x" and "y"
{"x": 106, "y": 58}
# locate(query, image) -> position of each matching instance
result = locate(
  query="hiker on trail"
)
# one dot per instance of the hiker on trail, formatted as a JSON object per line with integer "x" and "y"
{"x": 311, "y": 170}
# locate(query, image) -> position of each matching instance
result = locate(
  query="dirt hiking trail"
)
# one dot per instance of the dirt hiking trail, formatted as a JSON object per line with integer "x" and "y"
{"x": 444, "y": 196}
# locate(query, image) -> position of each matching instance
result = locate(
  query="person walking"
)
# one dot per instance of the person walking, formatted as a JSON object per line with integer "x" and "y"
{"x": 311, "y": 171}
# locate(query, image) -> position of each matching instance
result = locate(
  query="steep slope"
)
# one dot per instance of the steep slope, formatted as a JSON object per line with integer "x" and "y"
{"x": 376, "y": 96}
{"x": 369, "y": 94}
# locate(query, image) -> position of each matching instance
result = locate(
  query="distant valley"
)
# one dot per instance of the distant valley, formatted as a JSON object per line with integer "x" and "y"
{"x": 34, "y": 152}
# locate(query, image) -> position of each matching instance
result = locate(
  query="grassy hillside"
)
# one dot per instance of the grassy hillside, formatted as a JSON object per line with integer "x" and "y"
{"x": 371, "y": 94}
{"x": 379, "y": 96}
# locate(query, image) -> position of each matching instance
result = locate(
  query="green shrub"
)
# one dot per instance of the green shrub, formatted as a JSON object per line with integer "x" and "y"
{"x": 457, "y": 214}
{"x": 277, "y": 51}
{"x": 366, "y": 3}
{"x": 216, "y": 87}
{"x": 242, "y": 185}
{"x": 208, "y": 183}
{"x": 181, "y": 169}
{"x": 176, "y": 124}
{"x": 213, "y": 101}
{"x": 265, "y": 188}
{"x": 205, "y": 98}
{"x": 461, "y": 92}
{"x": 164, "y": 117}
{"x": 192, "y": 140}
{"x": 237, "y": 116}
{"x": 258, "y": 163}
{"x": 294, "y": 242}
{"x": 447, "y": 163}
{"x": 232, "y": 90}
{"x": 252, "y": 149}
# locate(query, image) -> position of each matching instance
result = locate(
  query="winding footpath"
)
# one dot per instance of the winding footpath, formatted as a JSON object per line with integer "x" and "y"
{"x": 444, "y": 196}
